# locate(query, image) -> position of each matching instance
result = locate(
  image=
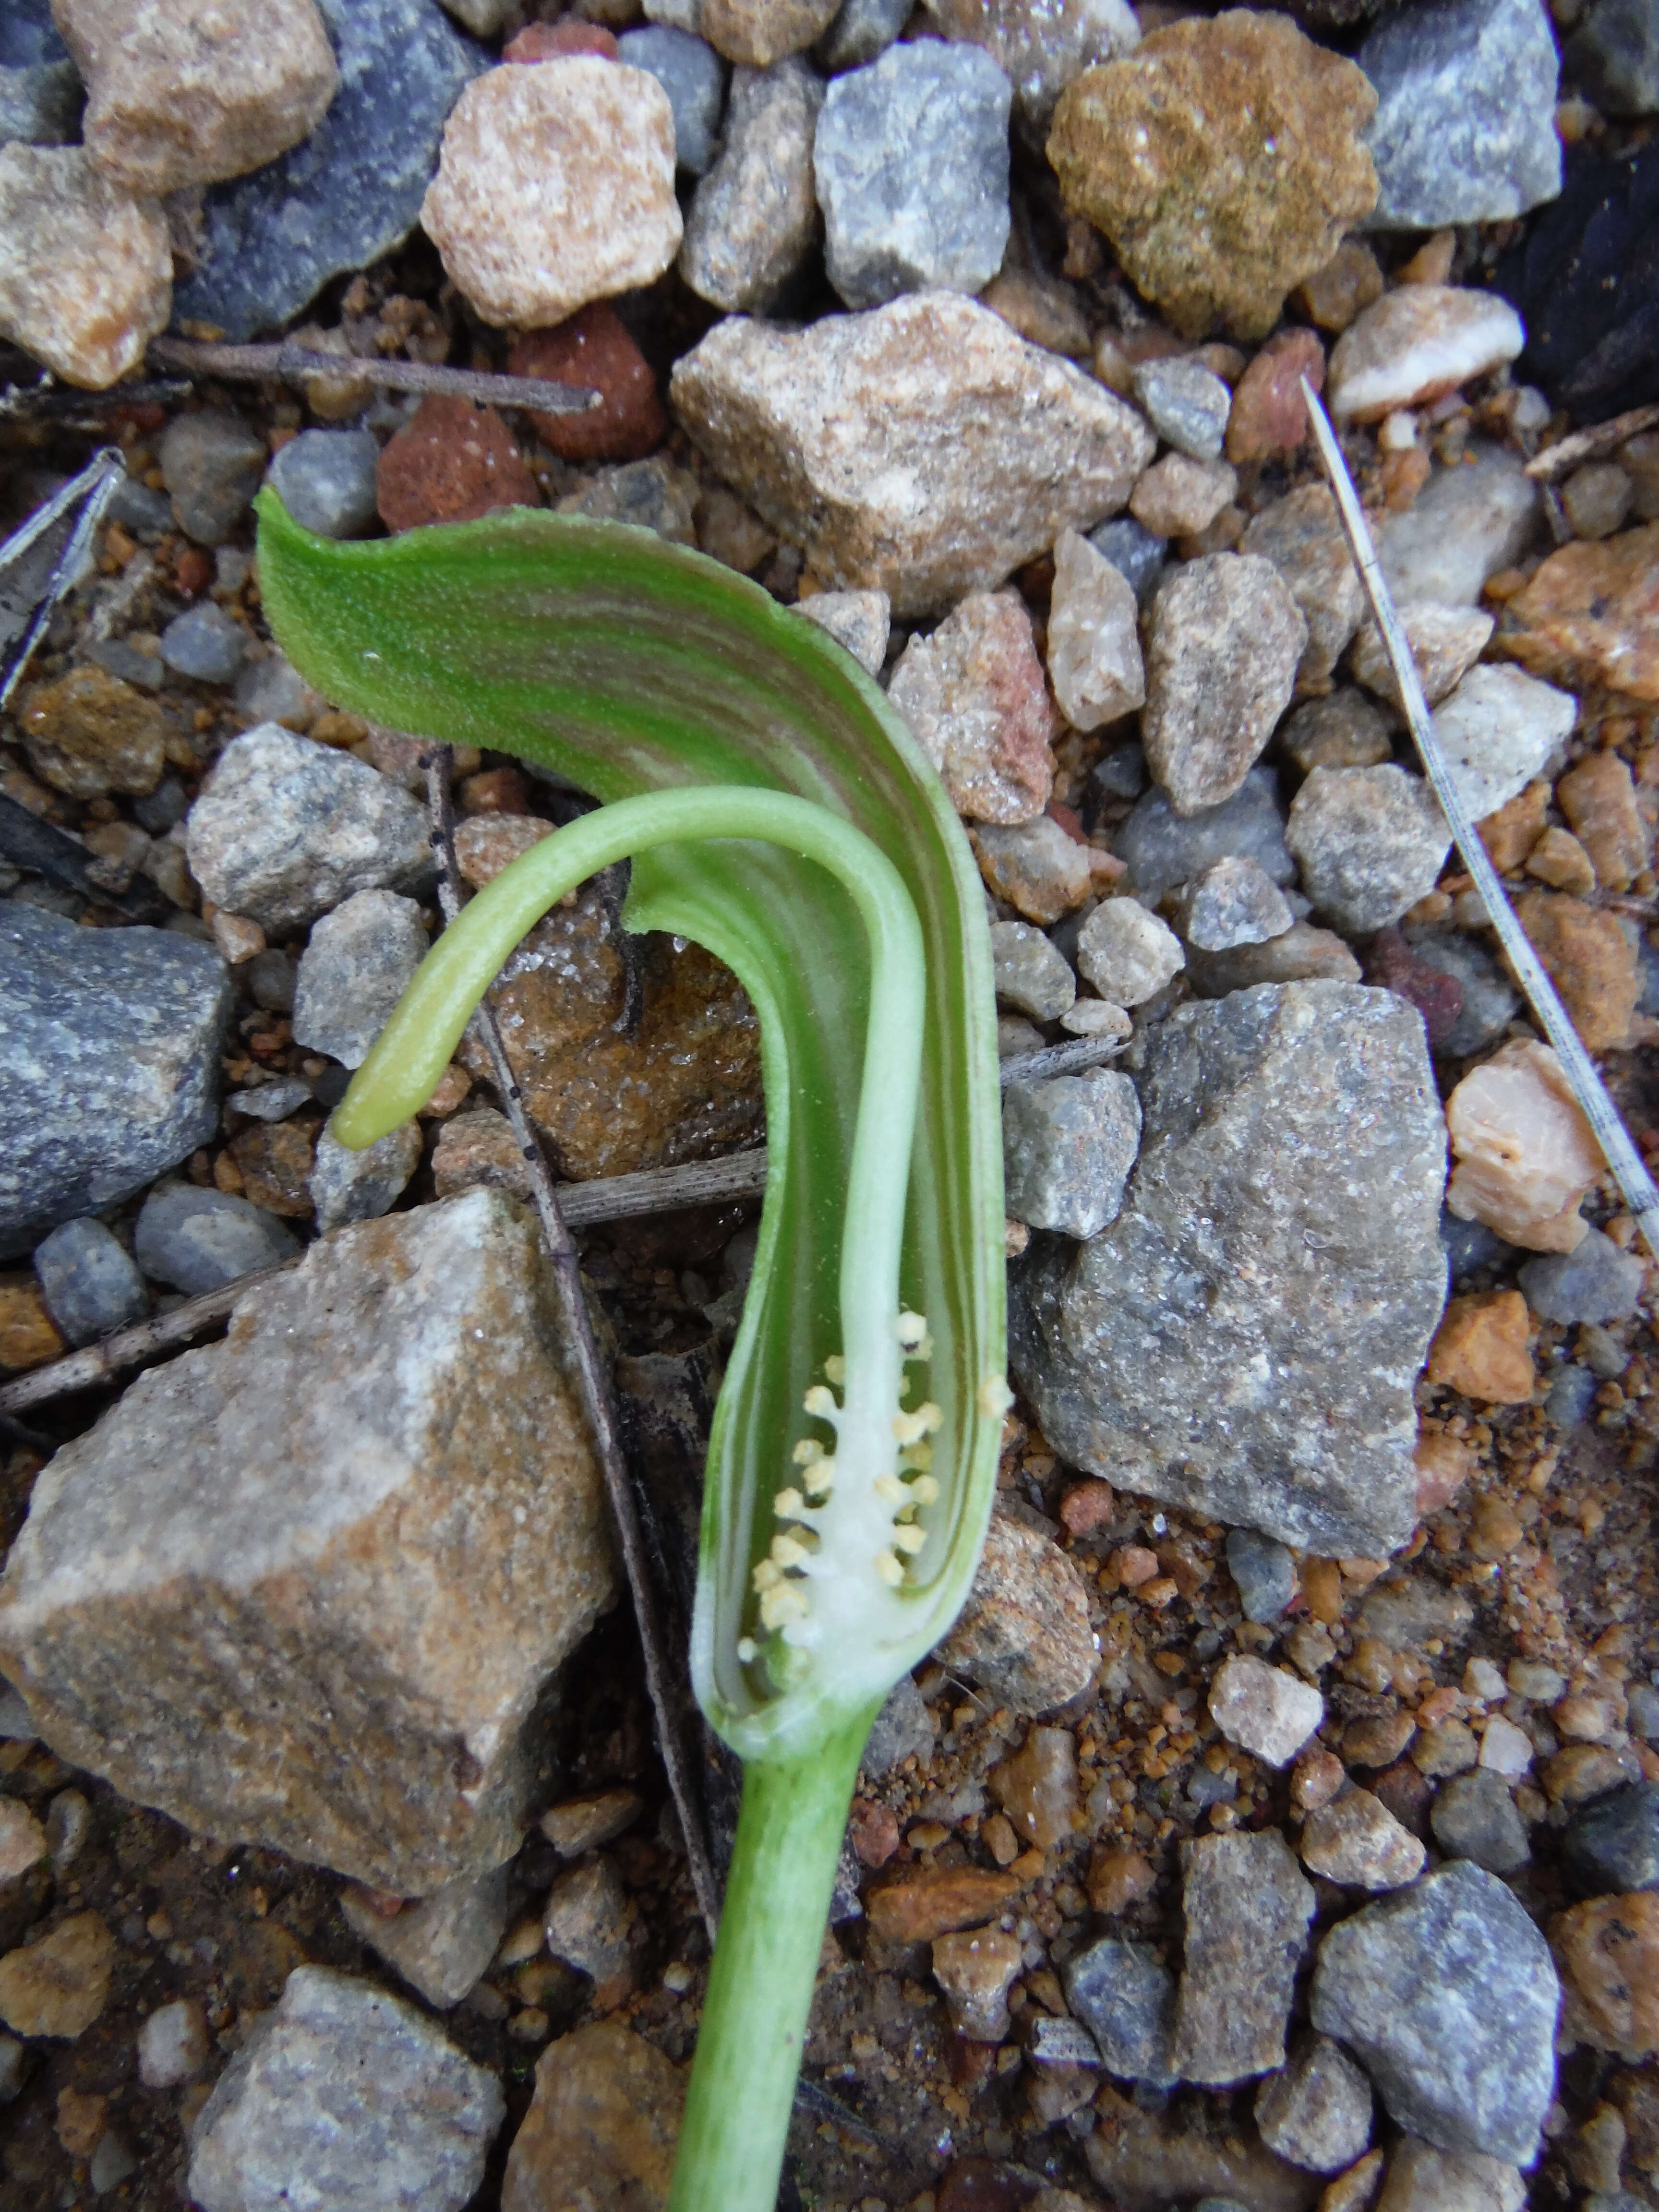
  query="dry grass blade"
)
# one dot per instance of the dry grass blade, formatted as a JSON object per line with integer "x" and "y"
{"x": 1603, "y": 1116}
{"x": 297, "y": 364}
{"x": 90, "y": 492}
{"x": 1560, "y": 460}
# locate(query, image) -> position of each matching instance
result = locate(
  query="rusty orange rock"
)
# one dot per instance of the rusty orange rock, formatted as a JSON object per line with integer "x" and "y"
{"x": 1480, "y": 1348}
{"x": 937, "y": 1902}
{"x": 1591, "y": 963}
{"x": 1591, "y": 615}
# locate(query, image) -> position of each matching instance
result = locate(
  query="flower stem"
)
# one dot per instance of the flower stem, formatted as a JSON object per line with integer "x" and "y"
{"x": 759, "y": 1988}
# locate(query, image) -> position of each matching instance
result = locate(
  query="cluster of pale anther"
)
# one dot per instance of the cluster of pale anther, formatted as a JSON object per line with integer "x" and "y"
{"x": 843, "y": 1520}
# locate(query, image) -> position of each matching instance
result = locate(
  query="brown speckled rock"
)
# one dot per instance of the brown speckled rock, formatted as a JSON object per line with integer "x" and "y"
{"x": 346, "y": 1659}
{"x": 86, "y": 270}
{"x": 1303, "y": 537}
{"x": 594, "y": 349}
{"x": 89, "y": 733}
{"x": 602, "y": 2127}
{"x": 684, "y": 1083}
{"x": 451, "y": 462}
{"x": 921, "y": 449}
{"x": 1224, "y": 160}
{"x": 1223, "y": 640}
{"x": 1247, "y": 1907}
{"x": 1591, "y": 615}
{"x": 757, "y": 33}
{"x": 974, "y": 696}
{"x": 183, "y": 95}
{"x": 1609, "y": 1952}
{"x": 555, "y": 186}
{"x": 1024, "y": 1635}
{"x": 1591, "y": 963}
{"x": 58, "y": 1985}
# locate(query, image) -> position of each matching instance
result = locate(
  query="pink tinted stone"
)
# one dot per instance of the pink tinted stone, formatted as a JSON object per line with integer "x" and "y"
{"x": 1269, "y": 414}
{"x": 1525, "y": 1152}
{"x": 545, "y": 42}
{"x": 977, "y": 704}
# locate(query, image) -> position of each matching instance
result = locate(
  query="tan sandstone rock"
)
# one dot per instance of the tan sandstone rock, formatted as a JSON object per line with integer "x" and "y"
{"x": 86, "y": 270}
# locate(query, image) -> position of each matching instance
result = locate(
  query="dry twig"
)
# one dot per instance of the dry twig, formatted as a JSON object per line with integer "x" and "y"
{"x": 297, "y": 364}
{"x": 1560, "y": 460}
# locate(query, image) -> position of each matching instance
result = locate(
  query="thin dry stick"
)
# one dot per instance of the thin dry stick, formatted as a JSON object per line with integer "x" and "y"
{"x": 591, "y": 1378}
{"x": 1603, "y": 1116}
{"x": 1560, "y": 460}
{"x": 608, "y": 1197}
{"x": 297, "y": 364}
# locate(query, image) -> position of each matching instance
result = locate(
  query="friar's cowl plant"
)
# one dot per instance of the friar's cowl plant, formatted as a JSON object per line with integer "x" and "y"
{"x": 776, "y": 810}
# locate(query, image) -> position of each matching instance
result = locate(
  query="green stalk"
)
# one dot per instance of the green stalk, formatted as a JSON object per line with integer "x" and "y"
{"x": 759, "y": 1988}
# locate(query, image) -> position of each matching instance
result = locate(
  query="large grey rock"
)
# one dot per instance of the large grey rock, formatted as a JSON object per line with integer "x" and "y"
{"x": 1464, "y": 130}
{"x": 198, "y": 1240}
{"x": 921, "y": 449}
{"x": 353, "y": 971}
{"x": 754, "y": 217}
{"x": 348, "y": 1656}
{"x": 285, "y": 829}
{"x": 912, "y": 166}
{"x": 442, "y": 1944}
{"x": 1447, "y": 1994}
{"x": 1162, "y": 848}
{"x": 1247, "y": 1907}
{"x": 1067, "y": 1146}
{"x": 1243, "y": 1338}
{"x": 1127, "y": 2000}
{"x": 89, "y": 1281}
{"x": 109, "y": 1041}
{"x": 693, "y": 77}
{"x": 346, "y": 2097}
{"x": 269, "y": 242}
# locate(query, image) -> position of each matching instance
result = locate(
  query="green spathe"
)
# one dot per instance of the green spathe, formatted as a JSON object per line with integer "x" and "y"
{"x": 778, "y": 811}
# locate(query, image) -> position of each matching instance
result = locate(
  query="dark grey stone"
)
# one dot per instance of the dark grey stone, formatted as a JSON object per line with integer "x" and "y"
{"x": 754, "y": 220}
{"x": 1232, "y": 903}
{"x": 361, "y": 1185}
{"x": 1126, "y": 2000}
{"x": 1614, "y": 56}
{"x": 1643, "y": 1717}
{"x": 1247, "y": 1905}
{"x": 1119, "y": 774}
{"x": 211, "y": 464}
{"x": 158, "y": 810}
{"x": 902, "y": 1729}
{"x": 146, "y": 670}
{"x": 141, "y": 513}
{"x": 693, "y": 77}
{"x": 1244, "y": 1338}
{"x": 205, "y": 643}
{"x": 1163, "y": 849}
{"x": 271, "y": 1102}
{"x": 1471, "y": 1245}
{"x": 911, "y": 159}
{"x": 88, "y": 1280}
{"x": 352, "y": 191}
{"x": 1612, "y": 1844}
{"x": 271, "y": 977}
{"x": 1595, "y": 1281}
{"x": 353, "y": 971}
{"x": 326, "y": 479}
{"x": 1264, "y": 1572}
{"x": 283, "y": 830}
{"x": 110, "y": 1040}
{"x": 1139, "y": 557}
{"x": 1464, "y": 130}
{"x": 41, "y": 105}
{"x": 1447, "y": 1995}
{"x": 195, "y": 1240}
{"x": 1490, "y": 999}
{"x": 1473, "y": 1817}
{"x": 862, "y": 30}
{"x": 28, "y": 35}
{"x": 1186, "y": 404}
{"x": 1067, "y": 1146}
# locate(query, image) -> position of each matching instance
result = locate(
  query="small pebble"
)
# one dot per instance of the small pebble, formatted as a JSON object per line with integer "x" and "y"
{"x": 1598, "y": 499}
{"x": 1185, "y": 403}
{"x": 1138, "y": 554}
{"x": 211, "y": 464}
{"x": 1225, "y": 637}
{"x": 1268, "y": 1711}
{"x": 196, "y": 1240}
{"x": 347, "y": 1185}
{"x": 1370, "y": 842}
{"x": 173, "y": 2044}
{"x": 975, "y": 1970}
{"x": 1178, "y": 497}
{"x": 88, "y": 1280}
{"x": 1030, "y": 976}
{"x": 1356, "y": 1840}
{"x": 861, "y": 621}
{"x": 1417, "y": 344}
{"x": 755, "y": 218}
{"x": 1473, "y": 1817}
{"x": 1094, "y": 648}
{"x": 1232, "y": 903}
{"x": 205, "y": 643}
{"x": 1069, "y": 1145}
{"x": 85, "y": 268}
{"x": 689, "y": 71}
{"x": 1127, "y": 954}
{"x": 1317, "y": 2114}
{"x": 1525, "y": 1153}
{"x": 1268, "y": 415}
{"x": 974, "y": 696}
{"x": 1264, "y": 1572}
{"x": 326, "y": 480}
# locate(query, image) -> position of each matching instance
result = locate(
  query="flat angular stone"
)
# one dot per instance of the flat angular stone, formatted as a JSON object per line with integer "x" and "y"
{"x": 1031, "y": 973}
{"x": 1067, "y": 1148}
{"x": 1232, "y": 903}
{"x": 1598, "y": 797}
{"x": 1612, "y": 1844}
{"x": 1301, "y": 954}
{"x": 285, "y": 829}
{"x": 1268, "y": 1710}
{"x": 412, "y": 1541}
{"x": 1317, "y": 2114}
{"x": 1127, "y": 2000}
{"x": 269, "y": 242}
{"x": 197, "y": 1241}
{"x": 1465, "y": 125}
{"x": 361, "y": 1185}
{"x": 1223, "y": 160}
{"x": 754, "y": 217}
{"x": 911, "y": 159}
{"x": 1094, "y": 643}
{"x": 1594, "y": 1282}
{"x": 1447, "y": 1995}
{"x": 1162, "y": 848}
{"x": 344, "y": 2096}
{"x": 86, "y": 270}
{"x": 440, "y": 1944}
{"x": 1223, "y": 640}
{"x": 180, "y": 94}
{"x": 111, "y": 1041}
{"x": 1302, "y": 536}
{"x": 973, "y": 695}
{"x": 1464, "y": 525}
{"x": 1473, "y": 1817}
{"x": 1370, "y": 842}
{"x": 1445, "y": 642}
{"x": 89, "y": 734}
{"x": 1417, "y": 344}
{"x": 1186, "y": 404}
{"x": 1024, "y": 1635}
{"x": 1525, "y": 1151}
{"x": 1244, "y": 1338}
{"x": 353, "y": 971}
{"x": 1247, "y": 1907}
{"x": 206, "y": 644}
{"x": 852, "y": 439}
{"x": 602, "y": 2128}
{"x": 1356, "y": 1841}
{"x": 1490, "y": 999}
